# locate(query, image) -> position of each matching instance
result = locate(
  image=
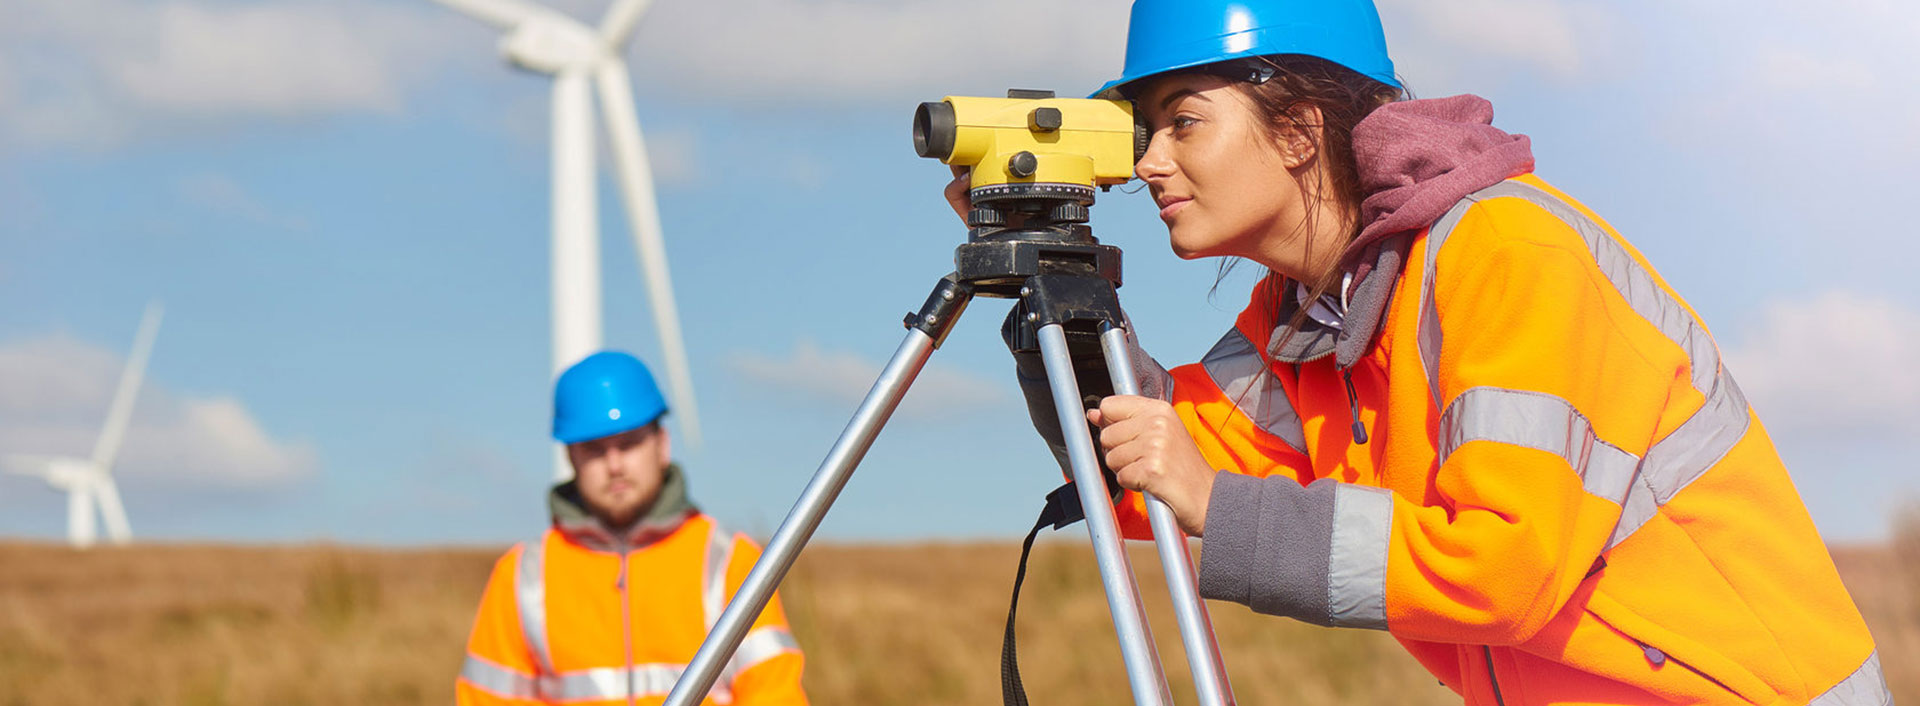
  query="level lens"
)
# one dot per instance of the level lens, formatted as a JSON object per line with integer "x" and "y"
{"x": 934, "y": 129}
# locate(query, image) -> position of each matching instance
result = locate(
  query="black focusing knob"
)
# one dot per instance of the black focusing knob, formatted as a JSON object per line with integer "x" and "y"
{"x": 1044, "y": 120}
{"x": 1023, "y": 164}
{"x": 1070, "y": 212}
{"x": 985, "y": 217}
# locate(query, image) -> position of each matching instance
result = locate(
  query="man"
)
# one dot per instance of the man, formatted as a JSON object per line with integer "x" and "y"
{"x": 609, "y": 605}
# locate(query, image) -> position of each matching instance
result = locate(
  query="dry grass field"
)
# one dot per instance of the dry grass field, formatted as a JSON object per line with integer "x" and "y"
{"x": 205, "y": 626}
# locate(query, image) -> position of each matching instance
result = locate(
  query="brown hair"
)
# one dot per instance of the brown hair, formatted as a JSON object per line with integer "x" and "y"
{"x": 1342, "y": 97}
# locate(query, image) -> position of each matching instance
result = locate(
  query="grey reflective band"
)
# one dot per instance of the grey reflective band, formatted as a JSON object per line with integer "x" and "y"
{"x": 1237, "y": 367}
{"x": 759, "y": 646}
{"x": 497, "y": 680}
{"x": 1693, "y": 447}
{"x": 719, "y": 555}
{"x": 1867, "y": 686}
{"x": 1541, "y": 421}
{"x": 530, "y": 591}
{"x": 1634, "y": 283}
{"x": 1428, "y": 336}
{"x": 1686, "y": 454}
{"x": 1357, "y": 564}
{"x": 611, "y": 682}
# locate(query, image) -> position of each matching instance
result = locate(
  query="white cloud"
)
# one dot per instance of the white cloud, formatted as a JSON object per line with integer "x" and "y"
{"x": 54, "y": 394}
{"x": 1836, "y": 362}
{"x": 99, "y": 71}
{"x": 843, "y": 378}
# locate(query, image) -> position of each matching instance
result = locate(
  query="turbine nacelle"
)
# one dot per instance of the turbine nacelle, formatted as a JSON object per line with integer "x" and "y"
{"x": 549, "y": 43}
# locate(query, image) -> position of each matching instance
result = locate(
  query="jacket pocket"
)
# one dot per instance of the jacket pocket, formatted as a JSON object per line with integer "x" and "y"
{"x": 1663, "y": 650}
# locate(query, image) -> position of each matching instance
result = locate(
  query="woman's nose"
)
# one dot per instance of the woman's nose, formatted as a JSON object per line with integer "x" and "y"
{"x": 1155, "y": 163}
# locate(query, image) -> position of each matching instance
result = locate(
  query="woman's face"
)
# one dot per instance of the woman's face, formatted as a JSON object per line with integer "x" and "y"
{"x": 1224, "y": 185}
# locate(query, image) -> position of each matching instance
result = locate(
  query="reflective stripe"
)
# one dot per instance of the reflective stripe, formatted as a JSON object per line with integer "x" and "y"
{"x": 719, "y": 555}
{"x": 759, "y": 646}
{"x": 611, "y": 682}
{"x": 1241, "y": 373}
{"x": 530, "y": 590}
{"x": 1867, "y": 686}
{"x": 1429, "y": 331}
{"x": 1698, "y": 443}
{"x": 1686, "y": 454}
{"x": 1357, "y": 565}
{"x": 1541, "y": 421}
{"x": 1634, "y": 283}
{"x": 497, "y": 680}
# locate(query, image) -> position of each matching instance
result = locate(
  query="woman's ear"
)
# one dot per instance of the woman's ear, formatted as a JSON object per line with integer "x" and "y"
{"x": 1299, "y": 138}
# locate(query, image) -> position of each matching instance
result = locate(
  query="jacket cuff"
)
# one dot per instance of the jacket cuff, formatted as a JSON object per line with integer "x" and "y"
{"x": 1267, "y": 545}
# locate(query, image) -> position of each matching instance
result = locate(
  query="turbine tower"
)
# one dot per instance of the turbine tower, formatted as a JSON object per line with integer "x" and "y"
{"x": 88, "y": 482}
{"x": 581, "y": 60}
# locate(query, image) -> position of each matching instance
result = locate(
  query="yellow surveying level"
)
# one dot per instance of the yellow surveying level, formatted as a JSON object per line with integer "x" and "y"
{"x": 1030, "y": 141}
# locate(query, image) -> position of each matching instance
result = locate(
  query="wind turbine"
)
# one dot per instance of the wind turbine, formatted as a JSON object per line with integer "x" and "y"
{"x": 581, "y": 59}
{"x": 89, "y": 481}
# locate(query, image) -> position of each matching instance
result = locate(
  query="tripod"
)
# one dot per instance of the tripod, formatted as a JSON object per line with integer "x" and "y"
{"x": 1064, "y": 280}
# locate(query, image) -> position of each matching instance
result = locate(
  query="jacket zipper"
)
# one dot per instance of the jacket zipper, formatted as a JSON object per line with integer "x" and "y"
{"x": 1353, "y": 407}
{"x": 1491, "y": 679}
{"x": 626, "y": 624}
{"x": 1657, "y": 657}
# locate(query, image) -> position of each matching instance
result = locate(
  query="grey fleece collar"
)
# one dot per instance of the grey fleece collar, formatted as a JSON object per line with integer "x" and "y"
{"x": 572, "y": 518}
{"x": 1366, "y": 306}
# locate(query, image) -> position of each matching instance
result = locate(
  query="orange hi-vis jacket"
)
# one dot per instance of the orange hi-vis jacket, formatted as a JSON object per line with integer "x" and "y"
{"x": 583, "y": 616}
{"x": 1564, "y": 497}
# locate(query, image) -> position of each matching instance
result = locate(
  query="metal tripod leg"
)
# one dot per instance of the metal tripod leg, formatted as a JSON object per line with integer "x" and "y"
{"x": 1116, "y": 573}
{"x": 927, "y": 330}
{"x": 1196, "y": 628}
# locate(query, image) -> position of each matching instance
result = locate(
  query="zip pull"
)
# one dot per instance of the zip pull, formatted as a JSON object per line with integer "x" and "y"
{"x": 1653, "y": 654}
{"x": 1353, "y": 407}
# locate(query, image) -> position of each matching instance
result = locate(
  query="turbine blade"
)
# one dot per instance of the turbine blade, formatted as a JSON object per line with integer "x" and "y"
{"x": 80, "y": 515}
{"x": 29, "y": 465}
{"x": 643, "y": 217}
{"x": 618, "y": 25}
{"x": 112, "y": 513}
{"x": 576, "y": 230}
{"x": 121, "y": 413}
{"x": 505, "y": 14}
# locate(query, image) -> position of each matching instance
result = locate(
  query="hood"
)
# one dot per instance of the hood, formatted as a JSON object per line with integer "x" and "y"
{"x": 573, "y": 520}
{"x": 1416, "y": 159}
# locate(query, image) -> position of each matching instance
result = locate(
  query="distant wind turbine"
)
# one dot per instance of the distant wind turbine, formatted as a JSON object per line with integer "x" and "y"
{"x": 88, "y": 482}
{"x": 581, "y": 58}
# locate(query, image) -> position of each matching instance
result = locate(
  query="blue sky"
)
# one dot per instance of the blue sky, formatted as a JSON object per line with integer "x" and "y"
{"x": 343, "y": 205}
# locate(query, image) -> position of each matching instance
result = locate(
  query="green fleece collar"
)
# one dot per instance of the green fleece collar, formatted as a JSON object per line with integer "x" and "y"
{"x": 669, "y": 510}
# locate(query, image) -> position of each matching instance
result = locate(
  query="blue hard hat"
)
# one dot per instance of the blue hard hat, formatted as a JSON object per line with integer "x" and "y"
{"x": 1165, "y": 35}
{"x": 604, "y": 394}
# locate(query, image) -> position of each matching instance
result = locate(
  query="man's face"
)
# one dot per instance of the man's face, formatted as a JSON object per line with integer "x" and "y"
{"x": 619, "y": 476}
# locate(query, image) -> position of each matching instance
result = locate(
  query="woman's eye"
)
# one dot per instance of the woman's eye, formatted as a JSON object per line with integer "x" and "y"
{"x": 1183, "y": 122}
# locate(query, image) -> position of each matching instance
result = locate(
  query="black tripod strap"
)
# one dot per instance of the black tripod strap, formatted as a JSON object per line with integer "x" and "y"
{"x": 1063, "y": 508}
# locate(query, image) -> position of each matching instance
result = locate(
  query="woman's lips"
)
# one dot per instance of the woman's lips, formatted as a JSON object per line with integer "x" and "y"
{"x": 1173, "y": 206}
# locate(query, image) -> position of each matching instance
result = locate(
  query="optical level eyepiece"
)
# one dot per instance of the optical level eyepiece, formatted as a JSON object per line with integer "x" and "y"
{"x": 934, "y": 129}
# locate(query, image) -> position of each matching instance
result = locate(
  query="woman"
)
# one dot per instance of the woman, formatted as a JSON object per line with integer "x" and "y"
{"x": 1460, "y": 408}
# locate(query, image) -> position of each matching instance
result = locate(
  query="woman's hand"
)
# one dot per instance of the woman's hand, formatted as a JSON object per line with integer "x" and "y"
{"x": 1150, "y": 451}
{"x": 957, "y": 192}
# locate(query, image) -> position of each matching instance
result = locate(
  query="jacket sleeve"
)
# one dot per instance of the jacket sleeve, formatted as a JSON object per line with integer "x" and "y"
{"x": 499, "y": 668}
{"x": 765, "y": 670}
{"x": 1551, "y": 388}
